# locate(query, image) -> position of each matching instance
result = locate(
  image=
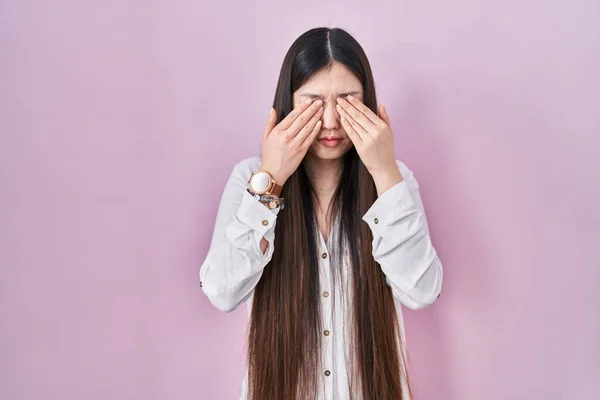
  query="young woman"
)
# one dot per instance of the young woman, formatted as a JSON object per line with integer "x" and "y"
{"x": 325, "y": 234}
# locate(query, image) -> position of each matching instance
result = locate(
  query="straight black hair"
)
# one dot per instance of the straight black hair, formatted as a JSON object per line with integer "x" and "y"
{"x": 285, "y": 333}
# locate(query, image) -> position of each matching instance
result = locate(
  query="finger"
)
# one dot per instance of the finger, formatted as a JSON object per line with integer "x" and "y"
{"x": 356, "y": 114}
{"x": 308, "y": 128}
{"x": 360, "y": 106}
{"x": 384, "y": 115}
{"x": 313, "y": 134}
{"x": 304, "y": 118}
{"x": 291, "y": 117}
{"x": 271, "y": 122}
{"x": 355, "y": 137}
{"x": 360, "y": 131}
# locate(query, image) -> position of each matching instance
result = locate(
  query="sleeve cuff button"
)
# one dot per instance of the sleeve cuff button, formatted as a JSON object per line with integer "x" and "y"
{"x": 376, "y": 220}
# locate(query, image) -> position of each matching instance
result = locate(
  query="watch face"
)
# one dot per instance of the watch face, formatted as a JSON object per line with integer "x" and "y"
{"x": 260, "y": 182}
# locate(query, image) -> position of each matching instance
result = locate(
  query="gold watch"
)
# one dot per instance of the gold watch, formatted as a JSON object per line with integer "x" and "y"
{"x": 261, "y": 182}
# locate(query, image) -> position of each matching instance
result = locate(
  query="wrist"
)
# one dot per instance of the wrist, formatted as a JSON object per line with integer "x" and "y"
{"x": 277, "y": 176}
{"x": 386, "y": 179}
{"x": 269, "y": 201}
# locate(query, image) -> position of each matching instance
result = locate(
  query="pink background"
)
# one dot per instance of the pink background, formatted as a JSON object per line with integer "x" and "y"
{"x": 120, "y": 122}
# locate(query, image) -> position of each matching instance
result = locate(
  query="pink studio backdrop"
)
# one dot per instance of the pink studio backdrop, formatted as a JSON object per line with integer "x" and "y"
{"x": 120, "y": 122}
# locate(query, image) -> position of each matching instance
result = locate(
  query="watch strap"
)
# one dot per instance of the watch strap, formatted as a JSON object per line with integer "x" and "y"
{"x": 275, "y": 188}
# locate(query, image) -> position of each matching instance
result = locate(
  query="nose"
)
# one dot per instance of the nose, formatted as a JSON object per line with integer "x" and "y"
{"x": 331, "y": 118}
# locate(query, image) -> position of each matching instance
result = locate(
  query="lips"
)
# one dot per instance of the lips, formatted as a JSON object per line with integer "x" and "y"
{"x": 330, "y": 141}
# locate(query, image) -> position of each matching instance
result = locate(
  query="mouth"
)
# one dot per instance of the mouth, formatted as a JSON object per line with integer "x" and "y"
{"x": 330, "y": 141}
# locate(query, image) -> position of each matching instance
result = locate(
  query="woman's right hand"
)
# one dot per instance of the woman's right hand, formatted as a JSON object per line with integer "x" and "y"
{"x": 284, "y": 145}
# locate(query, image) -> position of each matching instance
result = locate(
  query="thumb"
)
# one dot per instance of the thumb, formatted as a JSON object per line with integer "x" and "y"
{"x": 384, "y": 115}
{"x": 271, "y": 122}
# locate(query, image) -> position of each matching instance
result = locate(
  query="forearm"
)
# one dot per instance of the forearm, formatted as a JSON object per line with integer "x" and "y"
{"x": 401, "y": 241}
{"x": 242, "y": 245}
{"x": 387, "y": 178}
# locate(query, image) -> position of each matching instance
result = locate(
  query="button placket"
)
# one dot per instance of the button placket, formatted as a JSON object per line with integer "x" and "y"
{"x": 327, "y": 342}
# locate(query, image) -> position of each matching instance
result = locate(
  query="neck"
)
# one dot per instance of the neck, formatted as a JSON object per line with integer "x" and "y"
{"x": 324, "y": 175}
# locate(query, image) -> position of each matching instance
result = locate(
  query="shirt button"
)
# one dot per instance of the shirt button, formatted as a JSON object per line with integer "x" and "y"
{"x": 265, "y": 222}
{"x": 376, "y": 220}
{"x": 200, "y": 283}
{"x": 325, "y": 294}
{"x": 327, "y": 373}
{"x": 326, "y": 333}
{"x": 324, "y": 255}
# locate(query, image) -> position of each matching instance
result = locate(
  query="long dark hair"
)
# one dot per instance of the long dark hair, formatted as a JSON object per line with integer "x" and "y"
{"x": 285, "y": 333}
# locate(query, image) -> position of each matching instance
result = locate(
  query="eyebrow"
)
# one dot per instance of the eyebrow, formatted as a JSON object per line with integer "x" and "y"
{"x": 318, "y": 96}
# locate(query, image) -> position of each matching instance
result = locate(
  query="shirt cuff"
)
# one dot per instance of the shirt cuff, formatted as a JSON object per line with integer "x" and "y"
{"x": 255, "y": 215}
{"x": 388, "y": 206}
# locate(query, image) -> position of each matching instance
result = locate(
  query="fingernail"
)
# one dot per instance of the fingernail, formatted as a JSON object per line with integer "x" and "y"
{"x": 319, "y": 102}
{"x": 308, "y": 101}
{"x": 350, "y": 97}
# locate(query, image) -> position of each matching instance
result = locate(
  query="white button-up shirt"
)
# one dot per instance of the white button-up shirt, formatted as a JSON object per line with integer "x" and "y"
{"x": 401, "y": 245}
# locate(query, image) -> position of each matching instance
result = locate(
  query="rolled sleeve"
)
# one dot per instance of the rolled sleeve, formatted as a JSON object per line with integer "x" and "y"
{"x": 235, "y": 260}
{"x": 386, "y": 208}
{"x": 255, "y": 215}
{"x": 402, "y": 245}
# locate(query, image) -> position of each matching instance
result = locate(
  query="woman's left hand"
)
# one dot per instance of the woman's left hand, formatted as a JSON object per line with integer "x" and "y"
{"x": 373, "y": 139}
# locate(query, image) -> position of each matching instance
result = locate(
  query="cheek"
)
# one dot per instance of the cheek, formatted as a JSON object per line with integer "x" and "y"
{"x": 295, "y": 102}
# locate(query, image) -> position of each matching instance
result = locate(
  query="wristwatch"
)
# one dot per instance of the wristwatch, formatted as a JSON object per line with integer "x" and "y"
{"x": 261, "y": 182}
